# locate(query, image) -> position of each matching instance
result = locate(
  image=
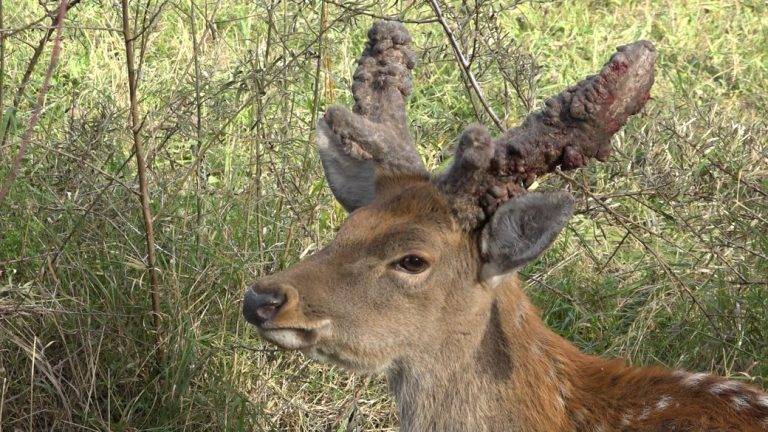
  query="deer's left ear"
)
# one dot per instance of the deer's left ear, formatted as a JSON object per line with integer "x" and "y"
{"x": 521, "y": 230}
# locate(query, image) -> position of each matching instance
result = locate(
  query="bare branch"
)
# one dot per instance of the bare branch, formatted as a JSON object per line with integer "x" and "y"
{"x": 2, "y": 71}
{"x": 465, "y": 65}
{"x": 200, "y": 178}
{"x": 364, "y": 12}
{"x": 38, "y": 108}
{"x": 142, "y": 173}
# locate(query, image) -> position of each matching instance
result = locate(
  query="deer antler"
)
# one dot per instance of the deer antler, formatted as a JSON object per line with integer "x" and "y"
{"x": 573, "y": 127}
{"x": 378, "y": 128}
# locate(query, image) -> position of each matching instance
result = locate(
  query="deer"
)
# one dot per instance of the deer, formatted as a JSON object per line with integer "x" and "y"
{"x": 420, "y": 282}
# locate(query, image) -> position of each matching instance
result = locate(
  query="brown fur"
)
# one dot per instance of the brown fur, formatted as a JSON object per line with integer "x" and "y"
{"x": 462, "y": 355}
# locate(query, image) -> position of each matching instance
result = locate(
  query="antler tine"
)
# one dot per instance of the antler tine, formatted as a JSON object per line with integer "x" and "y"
{"x": 573, "y": 127}
{"x": 382, "y": 81}
{"x": 378, "y": 127}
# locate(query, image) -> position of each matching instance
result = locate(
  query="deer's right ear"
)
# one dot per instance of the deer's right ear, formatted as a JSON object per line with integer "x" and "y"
{"x": 352, "y": 179}
{"x": 521, "y": 229}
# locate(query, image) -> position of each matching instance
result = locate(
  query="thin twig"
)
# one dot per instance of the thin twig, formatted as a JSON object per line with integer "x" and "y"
{"x": 181, "y": 180}
{"x": 664, "y": 265}
{"x": 95, "y": 168}
{"x": 35, "y": 24}
{"x": 714, "y": 162}
{"x": 198, "y": 126}
{"x": 2, "y": 85}
{"x": 25, "y": 78}
{"x": 38, "y": 108}
{"x": 8, "y": 32}
{"x": 465, "y": 65}
{"x": 56, "y": 252}
{"x": 257, "y": 136}
{"x": 318, "y": 73}
{"x": 142, "y": 174}
{"x": 318, "y": 65}
{"x": 364, "y": 12}
{"x": 36, "y": 53}
{"x": 2, "y": 394}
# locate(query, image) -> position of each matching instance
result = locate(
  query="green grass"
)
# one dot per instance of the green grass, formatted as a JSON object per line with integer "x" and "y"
{"x": 667, "y": 265}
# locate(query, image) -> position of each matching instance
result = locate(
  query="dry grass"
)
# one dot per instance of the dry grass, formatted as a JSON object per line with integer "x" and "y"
{"x": 666, "y": 261}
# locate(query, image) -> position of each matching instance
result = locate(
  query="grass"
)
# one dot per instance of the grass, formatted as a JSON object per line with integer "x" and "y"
{"x": 665, "y": 262}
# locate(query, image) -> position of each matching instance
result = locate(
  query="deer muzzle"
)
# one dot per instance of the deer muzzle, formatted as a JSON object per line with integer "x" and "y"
{"x": 275, "y": 310}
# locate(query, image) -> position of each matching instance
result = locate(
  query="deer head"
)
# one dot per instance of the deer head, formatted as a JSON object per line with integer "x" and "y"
{"x": 420, "y": 256}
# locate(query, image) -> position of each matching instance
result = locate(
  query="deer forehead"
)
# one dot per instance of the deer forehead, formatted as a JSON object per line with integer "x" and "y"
{"x": 412, "y": 216}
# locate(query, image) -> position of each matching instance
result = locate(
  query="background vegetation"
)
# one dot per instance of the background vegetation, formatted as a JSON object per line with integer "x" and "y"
{"x": 666, "y": 261}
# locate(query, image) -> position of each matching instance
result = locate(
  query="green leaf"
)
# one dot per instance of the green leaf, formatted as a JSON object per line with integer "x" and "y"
{"x": 9, "y": 122}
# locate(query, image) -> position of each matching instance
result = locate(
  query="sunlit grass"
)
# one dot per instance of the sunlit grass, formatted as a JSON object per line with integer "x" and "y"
{"x": 670, "y": 268}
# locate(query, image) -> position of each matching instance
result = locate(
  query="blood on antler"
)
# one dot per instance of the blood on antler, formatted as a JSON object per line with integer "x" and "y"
{"x": 573, "y": 127}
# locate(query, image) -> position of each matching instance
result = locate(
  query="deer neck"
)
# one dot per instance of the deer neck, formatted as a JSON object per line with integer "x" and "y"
{"x": 504, "y": 371}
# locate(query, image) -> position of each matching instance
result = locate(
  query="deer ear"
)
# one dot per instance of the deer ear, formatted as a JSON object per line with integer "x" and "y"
{"x": 521, "y": 230}
{"x": 352, "y": 179}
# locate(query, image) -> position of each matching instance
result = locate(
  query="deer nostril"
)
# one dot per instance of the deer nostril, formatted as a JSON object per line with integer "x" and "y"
{"x": 259, "y": 308}
{"x": 266, "y": 312}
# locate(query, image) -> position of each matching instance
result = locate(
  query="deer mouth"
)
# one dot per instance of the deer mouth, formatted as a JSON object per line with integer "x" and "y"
{"x": 345, "y": 360}
{"x": 294, "y": 338}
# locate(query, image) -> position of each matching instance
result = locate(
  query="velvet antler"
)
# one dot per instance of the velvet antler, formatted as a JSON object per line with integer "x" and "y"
{"x": 354, "y": 145}
{"x": 573, "y": 127}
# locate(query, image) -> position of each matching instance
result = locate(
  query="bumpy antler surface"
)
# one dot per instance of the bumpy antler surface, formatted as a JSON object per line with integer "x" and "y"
{"x": 378, "y": 128}
{"x": 573, "y": 127}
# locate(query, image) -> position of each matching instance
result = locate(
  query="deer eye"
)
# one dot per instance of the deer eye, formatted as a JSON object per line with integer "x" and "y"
{"x": 413, "y": 264}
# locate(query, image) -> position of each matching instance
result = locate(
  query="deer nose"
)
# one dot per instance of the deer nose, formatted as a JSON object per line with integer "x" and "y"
{"x": 260, "y": 307}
